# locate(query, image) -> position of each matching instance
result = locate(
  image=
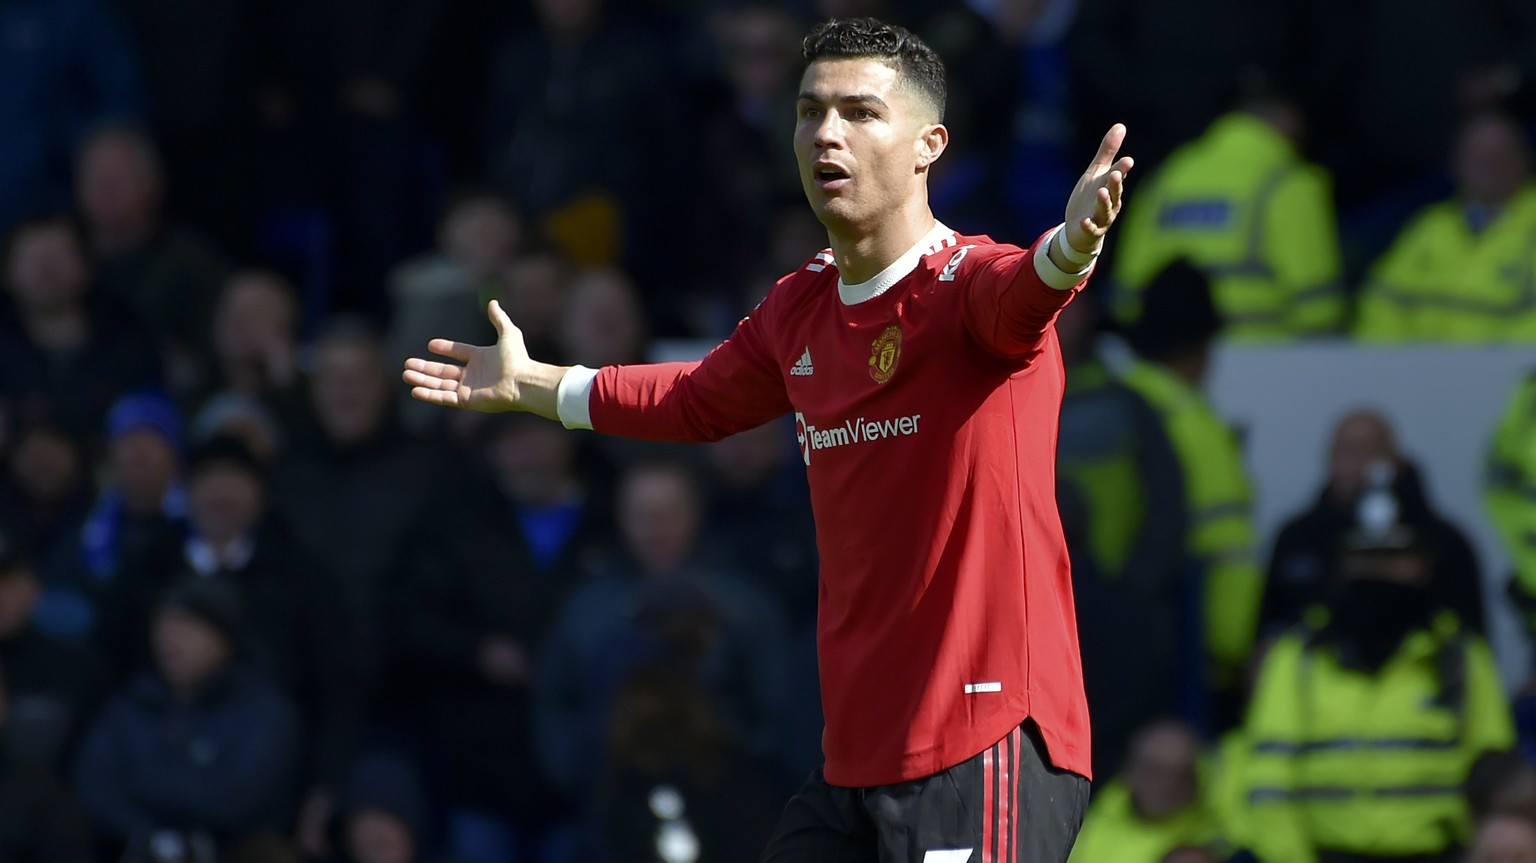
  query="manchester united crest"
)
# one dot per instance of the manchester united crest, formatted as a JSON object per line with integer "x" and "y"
{"x": 884, "y": 354}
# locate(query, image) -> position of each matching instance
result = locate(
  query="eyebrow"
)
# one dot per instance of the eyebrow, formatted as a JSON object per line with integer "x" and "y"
{"x": 856, "y": 99}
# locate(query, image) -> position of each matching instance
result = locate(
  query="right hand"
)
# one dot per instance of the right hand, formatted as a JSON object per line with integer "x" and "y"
{"x": 487, "y": 381}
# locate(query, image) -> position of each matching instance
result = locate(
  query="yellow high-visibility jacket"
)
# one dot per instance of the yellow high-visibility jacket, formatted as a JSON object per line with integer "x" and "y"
{"x": 1219, "y": 500}
{"x": 1242, "y": 205}
{"x": 1113, "y": 832}
{"x": 1440, "y": 281}
{"x": 1511, "y": 490}
{"x": 1346, "y": 761}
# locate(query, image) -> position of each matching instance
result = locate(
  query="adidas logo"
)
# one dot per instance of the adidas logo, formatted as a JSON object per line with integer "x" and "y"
{"x": 803, "y": 368}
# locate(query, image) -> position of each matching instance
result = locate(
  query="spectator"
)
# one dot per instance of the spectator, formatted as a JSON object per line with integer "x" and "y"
{"x": 444, "y": 293}
{"x": 241, "y": 417}
{"x": 256, "y": 330}
{"x": 604, "y": 321}
{"x": 1504, "y": 838}
{"x": 340, "y": 493}
{"x": 1501, "y": 783}
{"x": 1121, "y": 496}
{"x": 39, "y": 820}
{"x": 1510, "y": 493}
{"x": 384, "y": 814}
{"x": 1173, "y": 338}
{"x": 577, "y": 129}
{"x": 1365, "y": 470}
{"x": 759, "y": 500}
{"x": 661, "y": 599}
{"x": 675, "y": 779}
{"x": 1156, "y": 808}
{"x": 63, "y": 350}
{"x": 199, "y": 749}
{"x": 1242, "y": 204}
{"x": 477, "y": 607}
{"x": 169, "y": 276}
{"x": 67, "y": 67}
{"x": 44, "y": 499}
{"x": 535, "y": 284}
{"x": 1460, "y": 271}
{"x": 293, "y": 626}
{"x": 143, "y": 497}
{"x": 51, "y": 685}
{"x": 213, "y": 80}
{"x": 1362, "y": 732}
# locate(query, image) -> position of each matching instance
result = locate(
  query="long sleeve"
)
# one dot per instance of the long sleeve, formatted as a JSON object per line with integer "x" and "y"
{"x": 1012, "y": 299}
{"x": 101, "y": 781}
{"x": 736, "y": 387}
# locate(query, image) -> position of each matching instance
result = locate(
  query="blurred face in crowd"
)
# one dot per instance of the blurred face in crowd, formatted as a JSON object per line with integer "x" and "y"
{"x": 1361, "y": 439}
{"x": 1161, "y": 771}
{"x": 376, "y": 836}
{"x": 481, "y": 234}
{"x": 761, "y": 52}
{"x": 46, "y": 466}
{"x": 225, "y": 501}
{"x": 535, "y": 295}
{"x": 257, "y": 315}
{"x": 604, "y": 323}
{"x": 569, "y": 18}
{"x": 19, "y": 592}
{"x": 534, "y": 461}
{"x": 47, "y": 271}
{"x": 118, "y": 182}
{"x": 1492, "y": 160}
{"x": 863, "y": 142}
{"x": 351, "y": 391}
{"x": 659, "y": 517}
{"x": 143, "y": 465}
{"x": 1504, "y": 839}
{"x": 749, "y": 458}
{"x": 188, "y": 650}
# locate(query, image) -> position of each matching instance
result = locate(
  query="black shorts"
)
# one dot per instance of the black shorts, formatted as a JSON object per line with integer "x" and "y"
{"x": 1006, "y": 805}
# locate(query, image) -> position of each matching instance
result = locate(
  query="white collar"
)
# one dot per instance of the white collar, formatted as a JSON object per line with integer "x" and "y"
{"x": 898, "y": 270}
{"x": 205, "y": 560}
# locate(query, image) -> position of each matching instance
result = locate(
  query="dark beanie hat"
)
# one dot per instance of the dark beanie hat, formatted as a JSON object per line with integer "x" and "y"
{"x": 1177, "y": 313}
{"x": 215, "y": 601}
{"x": 225, "y": 450}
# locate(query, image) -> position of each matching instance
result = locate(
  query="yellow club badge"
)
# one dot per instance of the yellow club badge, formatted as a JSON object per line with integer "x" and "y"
{"x": 884, "y": 354}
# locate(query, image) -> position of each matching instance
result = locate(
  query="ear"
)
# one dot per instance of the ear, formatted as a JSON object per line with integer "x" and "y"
{"x": 930, "y": 145}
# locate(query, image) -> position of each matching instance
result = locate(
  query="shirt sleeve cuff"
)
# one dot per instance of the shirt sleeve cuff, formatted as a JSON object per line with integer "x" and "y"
{"x": 573, "y": 397}
{"x": 1054, "y": 276}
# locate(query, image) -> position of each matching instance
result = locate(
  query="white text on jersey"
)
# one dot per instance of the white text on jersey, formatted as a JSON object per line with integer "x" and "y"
{"x": 803, "y": 367}
{"x": 954, "y": 264}
{"x": 851, "y": 432}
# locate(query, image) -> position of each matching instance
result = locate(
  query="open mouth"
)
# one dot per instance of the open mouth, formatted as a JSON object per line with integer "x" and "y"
{"x": 829, "y": 175}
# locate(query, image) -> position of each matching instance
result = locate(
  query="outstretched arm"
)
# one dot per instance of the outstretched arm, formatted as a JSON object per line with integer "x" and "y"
{"x": 1095, "y": 201}
{"x": 492, "y": 379}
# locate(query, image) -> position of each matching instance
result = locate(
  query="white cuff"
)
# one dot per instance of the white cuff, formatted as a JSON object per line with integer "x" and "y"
{"x": 1055, "y": 277}
{"x": 573, "y": 397}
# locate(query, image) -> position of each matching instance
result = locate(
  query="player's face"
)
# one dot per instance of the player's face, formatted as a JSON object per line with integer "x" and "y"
{"x": 862, "y": 142}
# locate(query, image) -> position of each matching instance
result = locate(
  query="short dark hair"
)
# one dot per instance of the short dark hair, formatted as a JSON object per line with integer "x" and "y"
{"x": 917, "y": 65}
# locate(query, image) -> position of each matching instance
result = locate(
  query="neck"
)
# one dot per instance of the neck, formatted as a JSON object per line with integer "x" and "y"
{"x": 126, "y": 236}
{"x": 57, "y": 329}
{"x": 861, "y": 254}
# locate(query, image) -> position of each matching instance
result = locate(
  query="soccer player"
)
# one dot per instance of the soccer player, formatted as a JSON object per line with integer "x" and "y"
{"x": 925, "y": 377}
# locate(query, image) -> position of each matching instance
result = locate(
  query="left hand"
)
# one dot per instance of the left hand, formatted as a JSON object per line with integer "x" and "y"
{"x": 1095, "y": 201}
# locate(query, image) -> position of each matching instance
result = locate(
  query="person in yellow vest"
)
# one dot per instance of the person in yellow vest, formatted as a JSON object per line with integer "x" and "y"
{"x": 1510, "y": 492}
{"x": 1361, "y": 733}
{"x": 1464, "y": 270}
{"x": 1242, "y": 204}
{"x": 1173, "y": 339}
{"x": 1155, "y": 807}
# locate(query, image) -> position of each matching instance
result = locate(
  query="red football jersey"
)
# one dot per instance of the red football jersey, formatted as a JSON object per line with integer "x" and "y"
{"x": 926, "y": 404}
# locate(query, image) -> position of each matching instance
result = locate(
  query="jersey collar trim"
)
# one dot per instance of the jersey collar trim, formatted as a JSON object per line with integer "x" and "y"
{"x": 899, "y": 269}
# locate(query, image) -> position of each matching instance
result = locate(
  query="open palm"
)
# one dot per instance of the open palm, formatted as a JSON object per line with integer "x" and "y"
{"x": 484, "y": 379}
{"x": 1095, "y": 201}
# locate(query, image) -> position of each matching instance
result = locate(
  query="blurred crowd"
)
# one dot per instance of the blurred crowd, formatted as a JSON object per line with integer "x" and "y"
{"x": 257, "y": 606}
